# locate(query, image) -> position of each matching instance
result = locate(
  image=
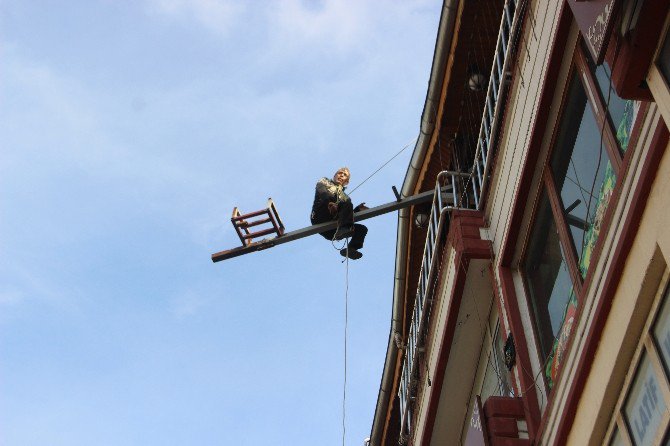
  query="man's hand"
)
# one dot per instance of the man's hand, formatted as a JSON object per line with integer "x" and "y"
{"x": 332, "y": 208}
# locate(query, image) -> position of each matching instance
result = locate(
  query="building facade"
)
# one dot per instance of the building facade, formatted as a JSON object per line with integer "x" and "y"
{"x": 531, "y": 302}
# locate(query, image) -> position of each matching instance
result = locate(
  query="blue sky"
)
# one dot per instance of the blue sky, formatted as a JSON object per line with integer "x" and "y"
{"x": 130, "y": 129}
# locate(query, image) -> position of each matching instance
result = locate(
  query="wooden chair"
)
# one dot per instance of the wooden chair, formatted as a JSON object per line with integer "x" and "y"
{"x": 269, "y": 215}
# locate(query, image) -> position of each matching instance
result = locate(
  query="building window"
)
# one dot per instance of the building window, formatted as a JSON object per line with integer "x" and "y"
{"x": 579, "y": 168}
{"x": 662, "y": 336}
{"x": 617, "y": 440}
{"x": 495, "y": 383}
{"x": 663, "y": 60}
{"x": 642, "y": 416}
{"x": 547, "y": 276}
{"x": 645, "y": 406}
{"x": 589, "y": 142}
{"x": 619, "y": 114}
{"x": 496, "y": 380}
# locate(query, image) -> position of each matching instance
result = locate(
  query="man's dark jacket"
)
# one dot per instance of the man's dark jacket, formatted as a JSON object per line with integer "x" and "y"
{"x": 327, "y": 191}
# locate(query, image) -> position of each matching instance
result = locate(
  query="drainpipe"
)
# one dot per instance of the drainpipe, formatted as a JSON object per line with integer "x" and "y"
{"x": 437, "y": 73}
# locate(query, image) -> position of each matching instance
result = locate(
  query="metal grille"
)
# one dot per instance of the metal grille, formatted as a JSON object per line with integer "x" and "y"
{"x": 455, "y": 190}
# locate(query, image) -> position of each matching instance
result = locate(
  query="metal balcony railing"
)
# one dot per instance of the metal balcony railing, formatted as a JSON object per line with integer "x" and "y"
{"x": 450, "y": 193}
{"x": 498, "y": 81}
{"x": 455, "y": 190}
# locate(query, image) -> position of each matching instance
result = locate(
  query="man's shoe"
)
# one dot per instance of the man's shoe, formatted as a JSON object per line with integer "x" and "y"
{"x": 344, "y": 232}
{"x": 353, "y": 253}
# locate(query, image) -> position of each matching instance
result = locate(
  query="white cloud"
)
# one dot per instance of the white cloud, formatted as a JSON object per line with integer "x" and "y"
{"x": 23, "y": 281}
{"x": 187, "y": 304}
{"x": 336, "y": 25}
{"x": 79, "y": 130}
{"x": 333, "y": 23}
{"x": 215, "y": 15}
{"x": 287, "y": 24}
{"x": 62, "y": 100}
{"x": 10, "y": 297}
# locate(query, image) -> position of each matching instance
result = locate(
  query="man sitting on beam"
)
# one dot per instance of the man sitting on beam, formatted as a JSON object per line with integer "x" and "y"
{"x": 332, "y": 203}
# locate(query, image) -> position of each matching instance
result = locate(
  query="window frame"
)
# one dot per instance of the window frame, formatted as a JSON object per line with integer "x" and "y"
{"x": 646, "y": 347}
{"x": 658, "y": 84}
{"x": 579, "y": 67}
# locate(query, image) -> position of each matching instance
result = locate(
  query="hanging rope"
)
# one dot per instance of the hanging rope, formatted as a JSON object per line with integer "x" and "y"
{"x": 384, "y": 165}
{"x": 346, "y": 292}
{"x": 346, "y": 323}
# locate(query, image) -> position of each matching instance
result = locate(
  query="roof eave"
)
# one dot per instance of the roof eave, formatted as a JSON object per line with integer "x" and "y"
{"x": 428, "y": 117}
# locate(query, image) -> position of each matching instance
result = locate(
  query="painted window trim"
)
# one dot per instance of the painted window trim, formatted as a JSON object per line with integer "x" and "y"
{"x": 580, "y": 68}
{"x": 646, "y": 345}
{"x": 657, "y": 82}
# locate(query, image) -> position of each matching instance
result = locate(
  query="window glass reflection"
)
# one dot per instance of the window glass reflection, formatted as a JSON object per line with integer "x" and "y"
{"x": 645, "y": 405}
{"x": 583, "y": 173}
{"x": 663, "y": 61}
{"x": 620, "y": 111}
{"x": 616, "y": 106}
{"x": 547, "y": 277}
{"x": 662, "y": 332}
{"x": 617, "y": 440}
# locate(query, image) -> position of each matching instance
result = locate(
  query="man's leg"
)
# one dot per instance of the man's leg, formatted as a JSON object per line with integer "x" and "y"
{"x": 356, "y": 243}
{"x": 360, "y": 231}
{"x": 345, "y": 220}
{"x": 345, "y": 214}
{"x": 328, "y": 235}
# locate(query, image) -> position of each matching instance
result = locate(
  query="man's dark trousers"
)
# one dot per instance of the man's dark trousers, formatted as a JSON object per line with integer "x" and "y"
{"x": 345, "y": 218}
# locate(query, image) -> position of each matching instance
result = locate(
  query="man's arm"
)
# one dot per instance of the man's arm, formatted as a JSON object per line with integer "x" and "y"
{"x": 322, "y": 189}
{"x": 322, "y": 201}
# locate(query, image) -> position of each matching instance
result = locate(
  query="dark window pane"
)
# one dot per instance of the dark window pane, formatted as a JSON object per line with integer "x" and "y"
{"x": 582, "y": 171}
{"x": 506, "y": 388}
{"x": 662, "y": 332}
{"x": 619, "y": 110}
{"x": 496, "y": 381}
{"x": 645, "y": 405}
{"x": 617, "y": 106}
{"x": 547, "y": 276}
{"x": 664, "y": 59}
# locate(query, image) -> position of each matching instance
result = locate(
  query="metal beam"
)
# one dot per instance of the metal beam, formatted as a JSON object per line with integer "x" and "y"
{"x": 424, "y": 197}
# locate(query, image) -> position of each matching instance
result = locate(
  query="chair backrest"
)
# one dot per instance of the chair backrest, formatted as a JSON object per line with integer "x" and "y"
{"x": 263, "y": 218}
